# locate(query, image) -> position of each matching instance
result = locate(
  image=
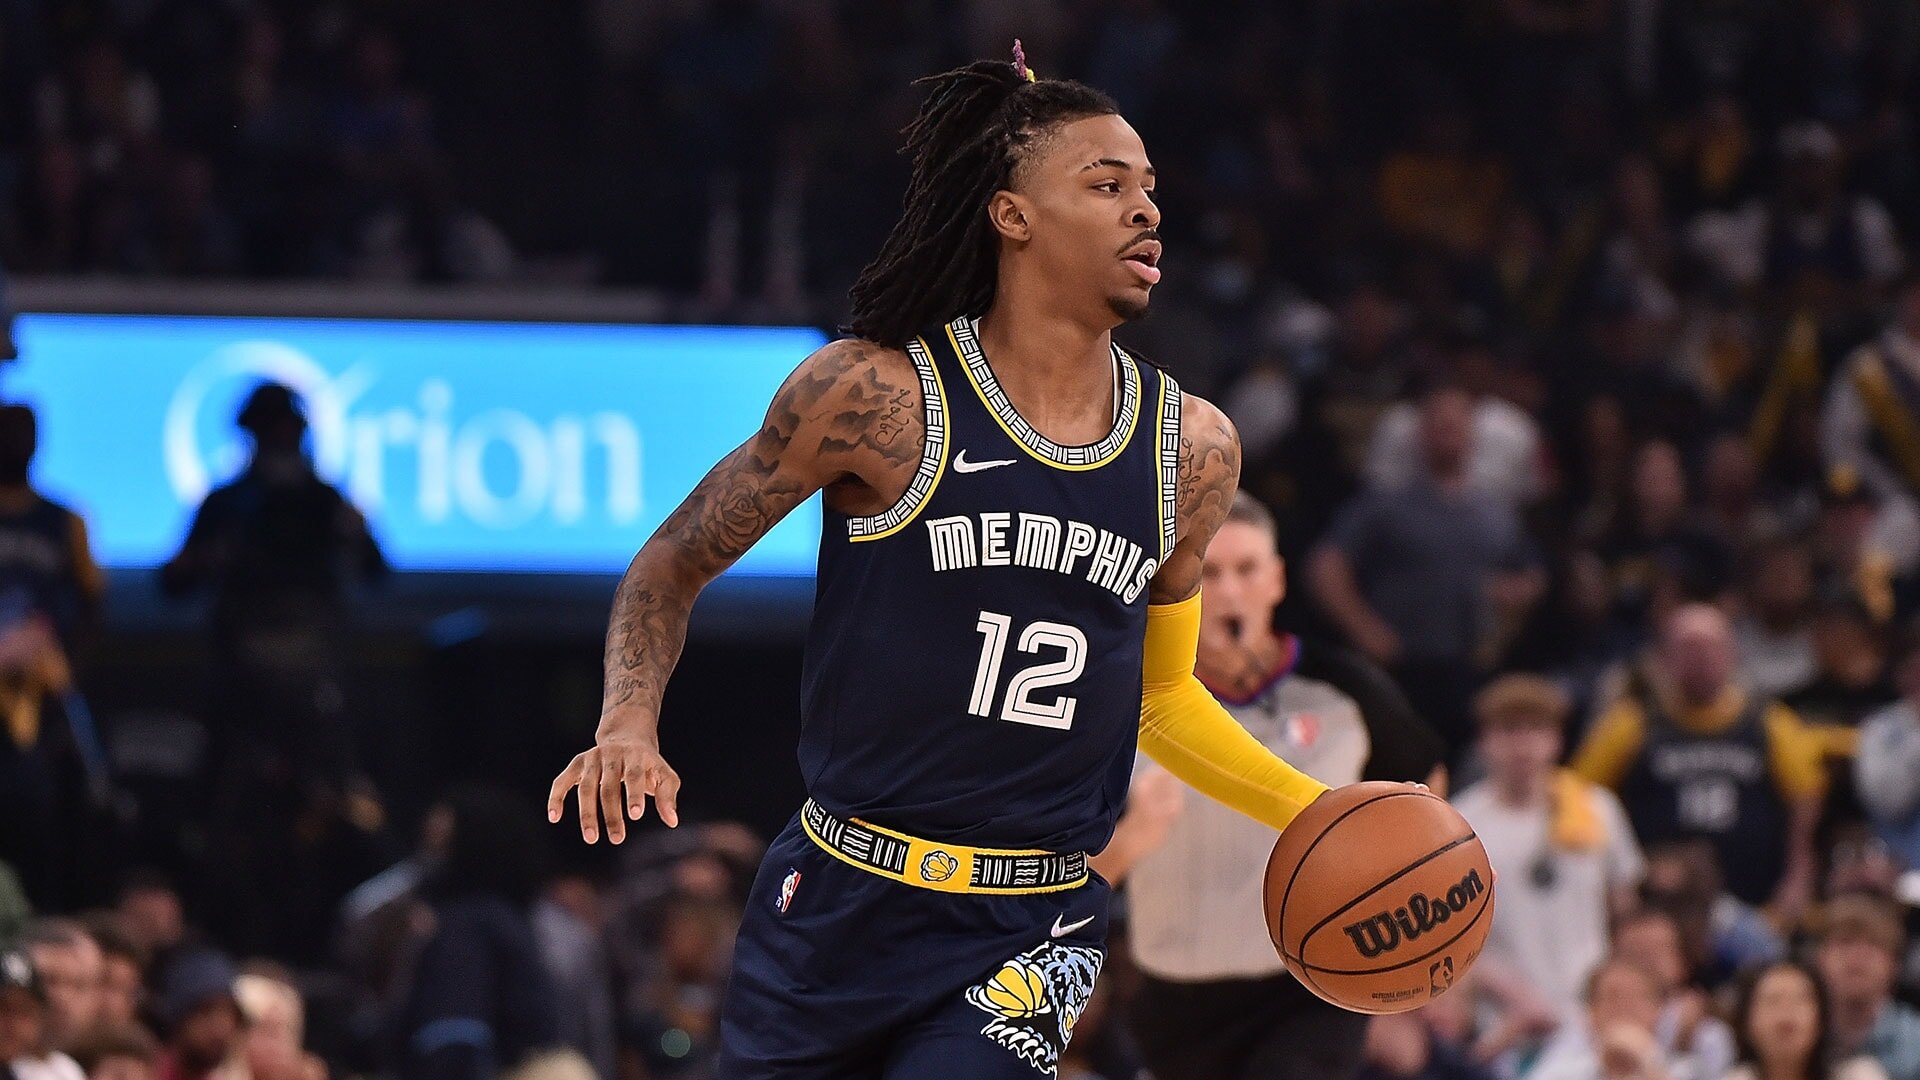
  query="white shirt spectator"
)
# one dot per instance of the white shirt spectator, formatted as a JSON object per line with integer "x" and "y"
{"x": 1504, "y": 463}
{"x": 1886, "y": 771}
{"x": 1554, "y": 934}
{"x": 54, "y": 1066}
{"x": 1775, "y": 664}
{"x": 1735, "y": 242}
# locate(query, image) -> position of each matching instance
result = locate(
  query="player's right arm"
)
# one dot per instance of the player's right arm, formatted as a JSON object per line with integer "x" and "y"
{"x": 847, "y": 420}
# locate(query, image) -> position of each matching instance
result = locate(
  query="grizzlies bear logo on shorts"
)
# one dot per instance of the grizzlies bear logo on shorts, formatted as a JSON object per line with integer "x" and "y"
{"x": 1036, "y": 998}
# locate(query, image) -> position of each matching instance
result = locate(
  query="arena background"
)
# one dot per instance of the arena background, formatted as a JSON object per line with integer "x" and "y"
{"x": 534, "y": 267}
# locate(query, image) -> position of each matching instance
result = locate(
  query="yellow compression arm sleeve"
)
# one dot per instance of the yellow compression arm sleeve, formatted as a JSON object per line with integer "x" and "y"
{"x": 1184, "y": 729}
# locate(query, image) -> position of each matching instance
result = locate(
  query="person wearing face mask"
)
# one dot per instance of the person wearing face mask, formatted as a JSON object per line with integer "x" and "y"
{"x": 1783, "y": 1023}
{"x": 277, "y": 547}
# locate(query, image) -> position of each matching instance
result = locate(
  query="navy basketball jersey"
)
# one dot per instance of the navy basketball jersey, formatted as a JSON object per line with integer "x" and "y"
{"x": 973, "y": 669}
{"x": 37, "y": 571}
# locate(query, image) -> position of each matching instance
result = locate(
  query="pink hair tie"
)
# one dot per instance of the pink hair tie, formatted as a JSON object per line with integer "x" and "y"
{"x": 1020, "y": 67}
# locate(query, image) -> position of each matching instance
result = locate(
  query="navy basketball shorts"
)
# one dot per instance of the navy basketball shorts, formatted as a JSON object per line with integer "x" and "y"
{"x": 841, "y": 973}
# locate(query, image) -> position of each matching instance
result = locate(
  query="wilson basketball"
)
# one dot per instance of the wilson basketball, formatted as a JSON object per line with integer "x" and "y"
{"x": 1379, "y": 897}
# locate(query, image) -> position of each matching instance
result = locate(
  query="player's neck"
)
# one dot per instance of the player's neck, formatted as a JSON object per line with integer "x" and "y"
{"x": 1053, "y": 360}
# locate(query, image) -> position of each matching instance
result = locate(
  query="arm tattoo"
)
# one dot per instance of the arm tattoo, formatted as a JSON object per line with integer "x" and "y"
{"x": 864, "y": 420}
{"x": 1209, "y": 476}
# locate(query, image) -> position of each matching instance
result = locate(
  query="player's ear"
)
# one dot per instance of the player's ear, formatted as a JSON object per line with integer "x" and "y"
{"x": 1008, "y": 213}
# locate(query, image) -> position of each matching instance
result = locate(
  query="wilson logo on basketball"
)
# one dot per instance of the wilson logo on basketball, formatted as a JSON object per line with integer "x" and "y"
{"x": 1383, "y": 933}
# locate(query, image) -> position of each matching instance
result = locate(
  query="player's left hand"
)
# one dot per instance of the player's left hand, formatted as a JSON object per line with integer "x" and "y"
{"x": 602, "y": 772}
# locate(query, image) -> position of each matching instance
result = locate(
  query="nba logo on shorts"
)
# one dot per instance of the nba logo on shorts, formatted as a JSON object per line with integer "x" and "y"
{"x": 787, "y": 888}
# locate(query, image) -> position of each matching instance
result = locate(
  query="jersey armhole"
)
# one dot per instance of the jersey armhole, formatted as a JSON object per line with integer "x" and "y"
{"x": 1169, "y": 450}
{"x": 933, "y": 455}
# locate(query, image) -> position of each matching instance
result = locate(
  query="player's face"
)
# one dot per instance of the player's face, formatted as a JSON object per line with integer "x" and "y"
{"x": 1242, "y": 579}
{"x": 1087, "y": 214}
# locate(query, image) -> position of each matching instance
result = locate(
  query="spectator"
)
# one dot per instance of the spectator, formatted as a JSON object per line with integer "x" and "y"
{"x": 1505, "y": 459}
{"x": 1440, "y": 190}
{"x": 1872, "y": 418}
{"x": 277, "y": 547}
{"x": 71, "y": 970}
{"x": 1419, "y": 1046}
{"x": 200, "y": 1019}
{"x": 150, "y": 911}
{"x": 1861, "y": 946}
{"x": 23, "y": 1025}
{"x": 569, "y": 923}
{"x": 1887, "y": 768}
{"x": 1364, "y": 376}
{"x": 1862, "y": 541}
{"x": 123, "y": 970}
{"x": 1695, "y": 754}
{"x": 477, "y": 1000}
{"x": 22, "y": 1008}
{"x": 1851, "y": 681}
{"x": 50, "y": 592}
{"x": 1562, "y": 846}
{"x": 678, "y": 1022}
{"x": 1784, "y": 1026}
{"x": 1699, "y": 1044}
{"x": 1719, "y": 934}
{"x": 1652, "y": 523}
{"x": 1775, "y": 628}
{"x": 272, "y": 546}
{"x": 118, "y": 1051}
{"x": 1615, "y": 1040}
{"x": 46, "y": 565}
{"x": 1431, "y": 580}
{"x": 1814, "y": 242}
{"x": 275, "y": 1018}
{"x": 15, "y": 911}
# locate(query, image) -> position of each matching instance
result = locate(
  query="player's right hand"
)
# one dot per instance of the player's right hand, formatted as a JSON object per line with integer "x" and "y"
{"x": 601, "y": 773}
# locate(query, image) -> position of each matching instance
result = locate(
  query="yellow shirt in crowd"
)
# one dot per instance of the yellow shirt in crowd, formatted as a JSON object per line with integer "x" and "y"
{"x": 1795, "y": 752}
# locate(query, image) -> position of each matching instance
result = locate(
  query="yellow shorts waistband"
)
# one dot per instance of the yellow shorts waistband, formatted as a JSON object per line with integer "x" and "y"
{"x": 939, "y": 866}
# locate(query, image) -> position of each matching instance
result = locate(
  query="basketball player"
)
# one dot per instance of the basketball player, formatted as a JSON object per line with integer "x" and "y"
{"x": 1215, "y": 1002}
{"x": 1007, "y": 492}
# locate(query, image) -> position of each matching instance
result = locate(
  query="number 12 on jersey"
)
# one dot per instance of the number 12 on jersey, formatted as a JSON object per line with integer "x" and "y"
{"x": 1019, "y": 707}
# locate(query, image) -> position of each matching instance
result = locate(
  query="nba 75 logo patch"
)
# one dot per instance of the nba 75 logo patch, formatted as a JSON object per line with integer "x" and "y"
{"x": 788, "y": 886}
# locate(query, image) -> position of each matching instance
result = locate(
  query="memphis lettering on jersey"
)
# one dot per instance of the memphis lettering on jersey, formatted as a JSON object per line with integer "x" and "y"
{"x": 1040, "y": 542}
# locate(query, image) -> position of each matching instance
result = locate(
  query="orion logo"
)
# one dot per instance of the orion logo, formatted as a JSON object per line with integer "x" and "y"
{"x": 1383, "y": 932}
{"x": 496, "y": 468}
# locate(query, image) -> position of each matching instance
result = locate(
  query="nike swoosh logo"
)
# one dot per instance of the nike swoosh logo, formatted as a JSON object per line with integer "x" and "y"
{"x": 962, "y": 465}
{"x": 1062, "y": 931}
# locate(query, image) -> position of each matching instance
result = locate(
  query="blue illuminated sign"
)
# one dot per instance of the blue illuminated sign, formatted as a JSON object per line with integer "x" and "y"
{"x": 502, "y": 447}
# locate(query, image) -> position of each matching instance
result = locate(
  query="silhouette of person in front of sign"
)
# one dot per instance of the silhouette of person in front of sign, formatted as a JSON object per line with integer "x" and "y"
{"x": 277, "y": 547}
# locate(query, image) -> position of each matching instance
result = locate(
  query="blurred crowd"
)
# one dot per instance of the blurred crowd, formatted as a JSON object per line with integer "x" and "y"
{"x": 1574, "y": 344}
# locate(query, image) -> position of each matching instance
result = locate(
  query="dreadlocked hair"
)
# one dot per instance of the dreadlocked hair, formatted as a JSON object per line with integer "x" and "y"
{"x": 941, "y": 259}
